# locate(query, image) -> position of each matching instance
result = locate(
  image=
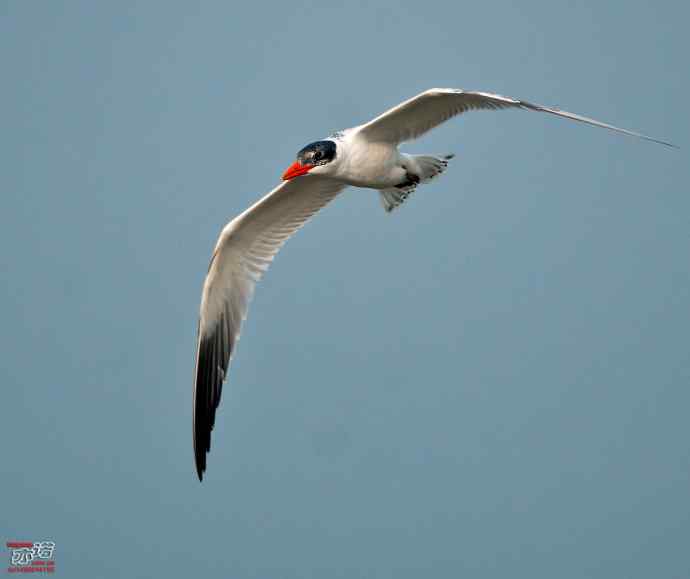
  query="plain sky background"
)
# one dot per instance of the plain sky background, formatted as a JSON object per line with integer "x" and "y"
{"x": 490, "y": 382}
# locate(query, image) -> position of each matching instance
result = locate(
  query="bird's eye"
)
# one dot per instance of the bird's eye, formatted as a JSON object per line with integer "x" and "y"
{"x": 317, "y": 155}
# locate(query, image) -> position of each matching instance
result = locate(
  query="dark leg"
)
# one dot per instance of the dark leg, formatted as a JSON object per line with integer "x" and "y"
{"x": 411, "y": 180}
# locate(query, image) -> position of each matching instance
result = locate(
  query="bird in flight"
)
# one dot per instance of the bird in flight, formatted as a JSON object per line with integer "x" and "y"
{"x": 363, "y": 156}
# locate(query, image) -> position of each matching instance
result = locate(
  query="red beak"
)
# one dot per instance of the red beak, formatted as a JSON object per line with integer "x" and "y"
{"x": 295, "y": 170}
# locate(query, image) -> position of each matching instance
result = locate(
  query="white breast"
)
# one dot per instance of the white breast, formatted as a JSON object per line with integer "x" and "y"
{"x": 366, "y": 164}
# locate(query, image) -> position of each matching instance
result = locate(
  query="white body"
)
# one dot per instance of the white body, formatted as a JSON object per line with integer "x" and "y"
{"x": 361, "y": 163}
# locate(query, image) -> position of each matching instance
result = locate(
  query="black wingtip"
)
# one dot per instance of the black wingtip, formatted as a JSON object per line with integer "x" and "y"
{"x": 199, "y": 461}
{"x": 213, "y": 356}
{"x": 200, "y": 451}
{"x": 658, "y": 141}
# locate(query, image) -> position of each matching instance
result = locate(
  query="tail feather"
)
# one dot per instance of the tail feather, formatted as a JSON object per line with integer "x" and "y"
{"x": 394, "y": 197}
{"x": 430, "y": 167}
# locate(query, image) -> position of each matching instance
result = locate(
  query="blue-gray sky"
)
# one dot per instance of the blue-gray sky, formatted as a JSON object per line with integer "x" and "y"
{"x": 491, "y": 382}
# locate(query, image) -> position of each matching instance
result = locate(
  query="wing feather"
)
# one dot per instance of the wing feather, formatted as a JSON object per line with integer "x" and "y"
{"x": 418, "y": 115}
{"x": 244, "y": 250}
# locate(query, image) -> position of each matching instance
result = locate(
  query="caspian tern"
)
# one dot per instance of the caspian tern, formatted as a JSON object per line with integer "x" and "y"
{"x": 363, "y": 156}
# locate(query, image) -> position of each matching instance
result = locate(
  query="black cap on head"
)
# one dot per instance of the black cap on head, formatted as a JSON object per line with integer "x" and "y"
{"x": 317, "y": 153}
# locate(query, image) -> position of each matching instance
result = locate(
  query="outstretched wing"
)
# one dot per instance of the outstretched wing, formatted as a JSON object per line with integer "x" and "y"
{"x": 429, "y": 109}
{"x": 242, "y": 254}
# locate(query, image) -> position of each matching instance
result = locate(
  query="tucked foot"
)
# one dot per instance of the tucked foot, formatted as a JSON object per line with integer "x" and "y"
{"x": 429, "y": 167}
{"x": 411, "y": 181}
